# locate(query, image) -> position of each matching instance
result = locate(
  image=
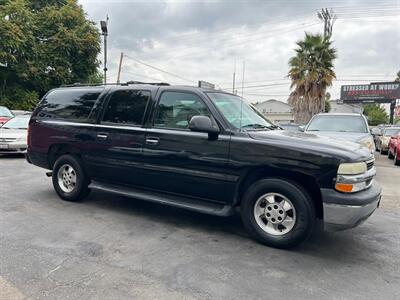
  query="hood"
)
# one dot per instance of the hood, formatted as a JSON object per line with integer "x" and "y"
{"x": 314, "y": 143}
{"x": 348, "y": 136}
{"x": 13, "y": 133}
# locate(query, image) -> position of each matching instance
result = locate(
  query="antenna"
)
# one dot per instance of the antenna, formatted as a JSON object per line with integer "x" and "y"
{"x": 241, "y": 103}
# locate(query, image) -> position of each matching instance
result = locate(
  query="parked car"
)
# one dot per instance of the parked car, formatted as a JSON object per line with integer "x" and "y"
{"x": 5, "y": 115}
{"x": 289, "y": 126}
{"x": 397, "y": 156}
{"x": 377, "y": 132}
{"x": 13, "y": 135}
{"x": 345, "y": 126}
{"x": 204, "y": 150}
{"x": 383, "y": 139}
{"x": 394, "y": 143}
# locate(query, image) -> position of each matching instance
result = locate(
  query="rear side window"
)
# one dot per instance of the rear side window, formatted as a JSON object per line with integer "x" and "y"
{"x": 72, "y": 104}
{"x": 126, "y": 107}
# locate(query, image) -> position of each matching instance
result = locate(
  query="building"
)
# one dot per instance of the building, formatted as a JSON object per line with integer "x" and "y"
{"x": 276, "y": 111}
{"x": 337, "y": 106}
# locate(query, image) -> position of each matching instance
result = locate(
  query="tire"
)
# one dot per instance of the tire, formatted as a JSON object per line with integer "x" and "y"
{"x": 296, "y": 224}
{"x": 390, "y": 155}
{"x": 69, "y": 179}
{"x": 396, "y": 158}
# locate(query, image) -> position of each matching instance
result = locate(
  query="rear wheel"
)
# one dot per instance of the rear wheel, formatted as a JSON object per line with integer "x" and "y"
{"x": 69, "y": 180}
{"x": 277, "y": 213}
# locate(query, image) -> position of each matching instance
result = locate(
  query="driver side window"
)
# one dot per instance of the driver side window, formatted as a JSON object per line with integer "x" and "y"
{"x": 175, "y": 109}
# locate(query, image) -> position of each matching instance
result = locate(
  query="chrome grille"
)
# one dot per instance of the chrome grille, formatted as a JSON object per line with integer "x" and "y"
{"x": 370, "y": 164}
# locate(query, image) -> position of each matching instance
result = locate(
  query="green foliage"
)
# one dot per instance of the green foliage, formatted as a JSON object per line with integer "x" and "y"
{"x": 376, "y": 114}
{"x": 398, "y": 77}
{"x": 44, "y": 43}
{"x": 327, "y": 105}
{"x": 311, "y": 72}
{"x": 96, "y": 78}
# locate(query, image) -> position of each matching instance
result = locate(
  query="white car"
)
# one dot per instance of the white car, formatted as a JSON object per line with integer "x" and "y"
{"x": 13, "y": 135}
{"x": 346, "y": 126}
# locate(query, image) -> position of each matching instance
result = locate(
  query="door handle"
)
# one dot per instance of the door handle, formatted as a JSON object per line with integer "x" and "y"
{"x": 102, "y": 136}
{"x": 152, "y": 141}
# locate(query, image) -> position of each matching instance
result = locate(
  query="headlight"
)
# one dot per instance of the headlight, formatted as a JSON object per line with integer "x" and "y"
{"x": 368, "y": 142}
{"x": 352, "y": 168}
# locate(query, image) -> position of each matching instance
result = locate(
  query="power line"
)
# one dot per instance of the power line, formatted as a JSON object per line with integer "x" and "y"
{"x": 159, "y": 69}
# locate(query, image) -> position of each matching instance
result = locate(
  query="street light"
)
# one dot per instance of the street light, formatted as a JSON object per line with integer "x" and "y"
{"x": 104, "y": 33}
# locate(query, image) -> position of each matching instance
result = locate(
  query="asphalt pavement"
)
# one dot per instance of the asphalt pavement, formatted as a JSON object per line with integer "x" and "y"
{"x": 110, "y": 247}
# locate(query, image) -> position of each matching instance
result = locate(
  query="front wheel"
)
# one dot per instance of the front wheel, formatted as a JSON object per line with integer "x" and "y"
{"x": 69, "y": 179}
{"x": 390, "y": 155}
{"x": 396, "y": 157}
{"x": 278, "y": 213}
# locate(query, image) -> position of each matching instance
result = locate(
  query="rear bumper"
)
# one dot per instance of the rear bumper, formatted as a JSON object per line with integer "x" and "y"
{"x": 12, "y": 148}
{"x": 344, "y": 211}
{"x": 37, "y": 158}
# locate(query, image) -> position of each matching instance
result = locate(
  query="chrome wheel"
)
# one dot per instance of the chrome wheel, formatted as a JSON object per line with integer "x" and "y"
{"x": 275, "y": 214}
{"x": 66, "y": 176}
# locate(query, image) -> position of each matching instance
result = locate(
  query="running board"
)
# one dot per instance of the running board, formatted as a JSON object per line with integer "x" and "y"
{"x": 166, "y": 199}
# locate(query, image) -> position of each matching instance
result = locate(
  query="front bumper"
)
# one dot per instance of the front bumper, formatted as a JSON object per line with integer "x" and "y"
{"x": 344, "y": 211}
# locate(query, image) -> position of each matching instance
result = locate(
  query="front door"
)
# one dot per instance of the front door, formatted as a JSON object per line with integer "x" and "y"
{"x": 180, "y": 161}
{"x": 117, "y": 154}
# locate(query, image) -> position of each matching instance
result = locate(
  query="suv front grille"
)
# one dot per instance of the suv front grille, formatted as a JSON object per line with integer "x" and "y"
{"x": 370, "y": 164}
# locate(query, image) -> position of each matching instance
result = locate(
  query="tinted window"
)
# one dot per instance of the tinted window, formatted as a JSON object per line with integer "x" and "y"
{"x": 126, "y": 107}
{"x": 338, "y": 123}
{"x": 69, "y": 103}
{"x": 175, "y": 109}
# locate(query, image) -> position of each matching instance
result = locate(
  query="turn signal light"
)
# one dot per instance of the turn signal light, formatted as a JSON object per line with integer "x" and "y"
{"x": 344, "y": 187}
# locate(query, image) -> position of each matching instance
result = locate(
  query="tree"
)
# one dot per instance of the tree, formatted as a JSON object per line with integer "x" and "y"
{"x": 44, "y": 44}
{"x": 398, "y": 77}
{"x": 327, "y": 102}
{"x": 311, "y": 72}
{"x": 376, "y": 114}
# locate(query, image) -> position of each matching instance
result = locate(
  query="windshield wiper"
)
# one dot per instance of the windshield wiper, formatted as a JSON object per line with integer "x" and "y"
{"x": 5, "y": 127}
{"x": 255, "y": 126}
{"x": 313, "y": 130}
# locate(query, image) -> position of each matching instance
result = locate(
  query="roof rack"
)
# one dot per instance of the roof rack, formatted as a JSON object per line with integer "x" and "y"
{"x": 152, "y": 83}
{"x": 126, "y": 83}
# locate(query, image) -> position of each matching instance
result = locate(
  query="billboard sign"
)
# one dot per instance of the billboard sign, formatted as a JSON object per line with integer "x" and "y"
{"x": 206, "y": 85}
{"x": 373, "y": 91}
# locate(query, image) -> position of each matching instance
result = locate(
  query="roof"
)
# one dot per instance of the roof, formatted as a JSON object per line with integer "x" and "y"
{"x": 148, "y": 86}
{"x": 274, "y": 106}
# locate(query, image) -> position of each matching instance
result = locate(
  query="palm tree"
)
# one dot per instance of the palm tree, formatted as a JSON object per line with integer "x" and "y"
{"x": 398, "y": 77}
{"x": 311, "y": 72}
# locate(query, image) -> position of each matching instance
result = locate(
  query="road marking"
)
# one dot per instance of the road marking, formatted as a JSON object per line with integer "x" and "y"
{"x": 8, "y": 291}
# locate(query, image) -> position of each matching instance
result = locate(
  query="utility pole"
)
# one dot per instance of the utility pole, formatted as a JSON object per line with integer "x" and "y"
{"x": 104, "y": 33}
{"x": 119, "y": 67}
{"x": 329, "y": 18}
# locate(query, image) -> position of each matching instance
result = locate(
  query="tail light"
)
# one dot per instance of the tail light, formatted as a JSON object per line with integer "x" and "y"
{"x": 28, "y": 140}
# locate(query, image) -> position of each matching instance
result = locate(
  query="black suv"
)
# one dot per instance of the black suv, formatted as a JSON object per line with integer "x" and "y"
{"x": 203, "y": 150}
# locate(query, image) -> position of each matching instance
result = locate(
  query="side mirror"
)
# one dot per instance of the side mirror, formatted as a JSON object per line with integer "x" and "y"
{"x": 204, "y": 124}
{"x": 302, "y": 128}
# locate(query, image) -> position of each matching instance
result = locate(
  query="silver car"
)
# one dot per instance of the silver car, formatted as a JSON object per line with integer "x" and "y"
{"x": 13, "y": 135}
{"x": 349, "y": 127}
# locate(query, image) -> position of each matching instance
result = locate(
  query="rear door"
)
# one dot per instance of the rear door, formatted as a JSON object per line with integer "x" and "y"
{"x": 120, "y": 136}
{"x": 179, "y": 161}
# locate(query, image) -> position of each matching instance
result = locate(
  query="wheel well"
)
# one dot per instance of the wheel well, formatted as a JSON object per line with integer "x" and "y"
{"x": 308, "y": 183}
{"x": 57, "y": 150}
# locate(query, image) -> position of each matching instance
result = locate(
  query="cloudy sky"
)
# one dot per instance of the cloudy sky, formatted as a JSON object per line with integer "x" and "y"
{"x": 181, "y": 42}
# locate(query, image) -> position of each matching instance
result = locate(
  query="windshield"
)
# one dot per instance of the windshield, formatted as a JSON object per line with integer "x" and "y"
{"x": 17, "y": 123}
{"x": 337, "y": 123}
{"x": 391, "y": 131}
{"x": 239, "y": 113}
{"x": 5, "y": 112}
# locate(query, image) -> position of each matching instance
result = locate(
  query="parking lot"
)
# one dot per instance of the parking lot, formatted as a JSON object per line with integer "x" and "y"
{"x": 110, "y": 247}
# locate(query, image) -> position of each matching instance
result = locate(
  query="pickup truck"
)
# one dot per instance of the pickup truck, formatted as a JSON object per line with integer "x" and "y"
{"x": 204, "y": 150}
